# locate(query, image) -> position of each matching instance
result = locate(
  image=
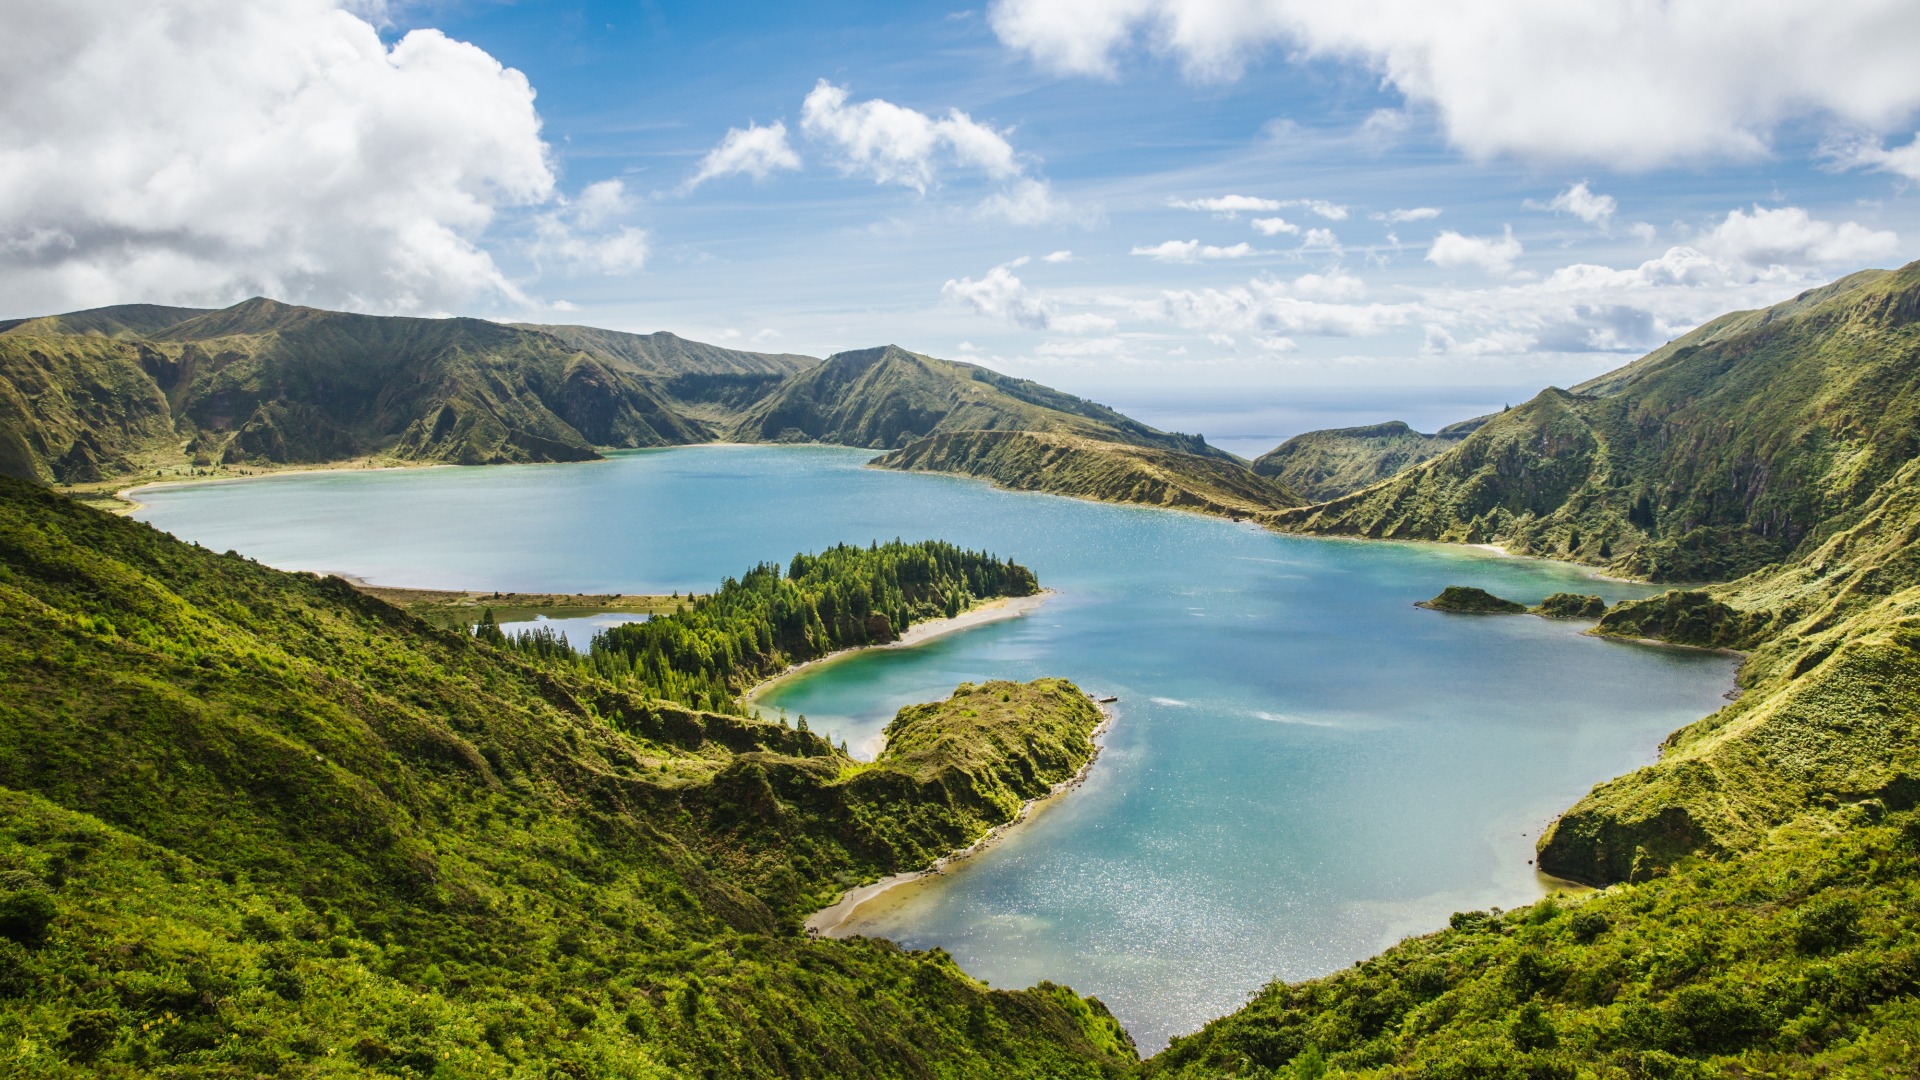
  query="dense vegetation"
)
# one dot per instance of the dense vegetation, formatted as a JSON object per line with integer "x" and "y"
{"x": 1800, "y": 959}
{"x": 1327, "y": 464}
{"x": 257, "y": 823}
{"x": 1720, "y": 454}
{"x": 1095, "y": 469}
{"x": 705, "y": 654}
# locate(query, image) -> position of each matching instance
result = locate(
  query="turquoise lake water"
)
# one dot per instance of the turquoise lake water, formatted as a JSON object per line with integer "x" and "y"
{"x": 1304, "y": 766}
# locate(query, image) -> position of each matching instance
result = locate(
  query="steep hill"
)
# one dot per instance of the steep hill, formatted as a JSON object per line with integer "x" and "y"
{"x": 665, "y": 355}
{"x": 87, "y": 395}
{"x": 1322, "y": 465}
{"x": 254, "y": 822}
{"x": 887, "y": 397}
{"x": 1723, "y": 452}
{"x": 1061, "y": 464}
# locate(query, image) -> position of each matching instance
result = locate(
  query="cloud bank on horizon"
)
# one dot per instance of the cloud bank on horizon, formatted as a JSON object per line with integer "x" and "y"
{"x": 1388, "y": 191}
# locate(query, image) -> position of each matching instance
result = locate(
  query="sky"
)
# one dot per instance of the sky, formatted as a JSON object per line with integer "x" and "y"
{"x": 1256, "y": 213}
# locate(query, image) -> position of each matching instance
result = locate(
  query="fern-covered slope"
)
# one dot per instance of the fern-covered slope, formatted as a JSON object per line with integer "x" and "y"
{"x": 276, "y": 825}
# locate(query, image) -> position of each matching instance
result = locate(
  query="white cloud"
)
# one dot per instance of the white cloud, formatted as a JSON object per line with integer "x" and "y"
{"x": 1057, "y": 257}
{"x": 1189, "y": 251}
{"x": 1335, "y": 284}
{"x": 898, "y": 145}
{"x": 573, "y": 233}
{"x": 1870, "y": 152}
{"x": 754, "y": 151}
{"x": 600, "y": 201}
{"x": 1383, "y": 127}
{"x": 1582, "y": 202}
{"x": 1265, "y": 306}
{"x": 198, "y": 151}
{"x": 1628, "y": 85}
{"x": 1320, "y": 240}
{"x": 1028, "y": 201}
{"x": 1227, "y": 206}
{"x": 1417, "y": 213}
{"x": 1495, "y": 255}
{"x": 999, "y": 294}
{"x": 1330, "y": 211}
{"x": 1273, "y": 226}
{"x": 1791, "y": 237}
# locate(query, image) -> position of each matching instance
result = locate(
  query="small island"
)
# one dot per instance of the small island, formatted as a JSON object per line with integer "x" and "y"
{"x": 1566, "y": 605}
{"x": 1467, "y": 600}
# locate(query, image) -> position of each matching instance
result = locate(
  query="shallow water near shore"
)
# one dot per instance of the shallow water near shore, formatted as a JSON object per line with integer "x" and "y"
{"x": 1304, "y": 767}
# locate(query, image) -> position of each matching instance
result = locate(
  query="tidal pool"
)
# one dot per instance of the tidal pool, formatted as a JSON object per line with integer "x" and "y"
{"x": 1304, "y": 766}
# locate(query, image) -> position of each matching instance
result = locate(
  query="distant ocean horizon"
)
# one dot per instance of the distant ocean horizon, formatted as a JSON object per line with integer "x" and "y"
{"x": 1251, "y": 422}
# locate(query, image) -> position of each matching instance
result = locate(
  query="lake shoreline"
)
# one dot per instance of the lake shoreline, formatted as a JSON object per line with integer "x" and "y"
{"x": 998, "y": 609}
{"x": 828, "y": 920}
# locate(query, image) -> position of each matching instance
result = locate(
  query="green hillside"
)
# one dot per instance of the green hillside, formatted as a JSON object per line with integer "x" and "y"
{"x": 1061, "y": 464}
{"x": 887, "y": 397}
{"x": 1721, "y": 453}
{"x": 254, "y": 822}
{"x": 1322, "y": 465}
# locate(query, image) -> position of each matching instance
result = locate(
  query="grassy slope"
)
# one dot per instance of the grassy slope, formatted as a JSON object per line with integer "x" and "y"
{"x": 287, "y": 827}
{"x": 1095, "y": 469}
{"x": 76, "y": 408}
{"x": 885, "y": 398}
{"x": 95, "y": 394}
{"x": 1719, "y": 454}
{"x": 1764, "y": 912}
{"x": 1800, "y": 959}
{"x": 1322, "y": 465}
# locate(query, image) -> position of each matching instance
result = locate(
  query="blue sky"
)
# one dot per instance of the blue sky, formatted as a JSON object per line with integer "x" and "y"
{"x": 1147, "y": 201}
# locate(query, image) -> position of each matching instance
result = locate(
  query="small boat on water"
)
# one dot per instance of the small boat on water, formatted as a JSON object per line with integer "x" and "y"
{"x": 1108, "y": 700}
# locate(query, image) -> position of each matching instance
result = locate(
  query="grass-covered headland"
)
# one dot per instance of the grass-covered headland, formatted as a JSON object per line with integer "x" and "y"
{"x": 256, "y": 823}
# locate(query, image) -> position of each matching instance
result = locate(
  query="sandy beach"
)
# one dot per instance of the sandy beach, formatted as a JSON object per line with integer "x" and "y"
{"x": 828, "y": 921}
{"x": 1007, "y": 607}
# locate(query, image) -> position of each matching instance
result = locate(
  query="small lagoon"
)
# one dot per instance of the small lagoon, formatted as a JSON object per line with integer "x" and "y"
{"x": 1304, "y": 768}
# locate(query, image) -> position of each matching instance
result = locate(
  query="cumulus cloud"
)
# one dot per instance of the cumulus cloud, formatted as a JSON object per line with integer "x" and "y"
{"x": 1227, "y": 206}
{"x": 1057, "y": 257}
{"x": 579, "y": 233}
{"x": 1869, "y": 152}
{"x": 754, "y": 151}
{"x": 999, "y": 294}
{"x": 897, "y": 145}
{"x": 1028, "y": 201}
{"x": 1274, "y": 226}
{"x": 1328, "y": 210}
{"x": 198, "y": 151}
{"x": 1416, "y": 213}
{"x": 1582, "y": 202}
{"x": 1230, "y": 206}
{"x": 1190, "y": 251}
{"x": 1269, "y": 307}
{"x": 1495, "y": 255}
{"x": 1629, "y": 85}
{"x": 1789, "y": 236}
